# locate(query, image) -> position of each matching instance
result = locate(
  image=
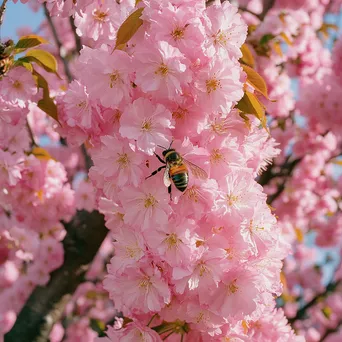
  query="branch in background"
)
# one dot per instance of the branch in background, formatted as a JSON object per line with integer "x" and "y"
{"x": 286, "y": 171}
{"x": 33, "y": 142}
{"x": 331, "y": 331}
{"x": 2, "y": 11}
{"x": 76, "y": 36}
{"x": 45, "y": 306}
{"x": 58, "y": 43}
{"x": 267, "y": 5}
{"x": 301, "y": 313}
{"x": 244, "y": 9}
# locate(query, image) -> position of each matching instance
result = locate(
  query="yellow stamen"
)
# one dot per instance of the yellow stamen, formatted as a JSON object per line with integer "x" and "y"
{"x": 212, "y": 85}
{"x": 99, "y": 15}
{"x": 162, "y": 70}
{"x": 150, "y": 201}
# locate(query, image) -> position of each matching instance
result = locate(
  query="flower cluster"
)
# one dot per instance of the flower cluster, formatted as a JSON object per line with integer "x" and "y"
{"x": 206, "y": 262}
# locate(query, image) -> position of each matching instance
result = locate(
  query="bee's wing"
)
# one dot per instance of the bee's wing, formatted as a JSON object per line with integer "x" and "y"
{"x": 196, "y": 170}
{"x": 167, "y": 180}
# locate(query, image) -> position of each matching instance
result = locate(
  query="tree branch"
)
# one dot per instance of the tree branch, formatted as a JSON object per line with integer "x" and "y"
{"x": 45, "y": 306}
{"x": 267, "y": 5}
{"x": 2, "y": 11}
{"x": 76, "y": 36}
{"x": 302, "y": 311}
{"x": 331, "y": 331}
{"x": 58, "y": 43}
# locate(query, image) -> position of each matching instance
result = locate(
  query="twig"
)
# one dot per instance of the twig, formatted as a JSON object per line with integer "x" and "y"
{"x": 33, "y": 142}
{"x": 58, "y": 43}
{"x": 267, "y": 5}
{"x": 302, "y": 311}
{"x": 76, "y": 36}
{"x": 244, "y": 9}
{"x": 2, "y": 11}
{"x": 88, "y": 161}
{"x": 331, "y": 331}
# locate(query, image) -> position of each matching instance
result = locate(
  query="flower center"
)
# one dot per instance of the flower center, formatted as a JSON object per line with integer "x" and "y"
{"x": 17, "y": 85}
{"x": 145, "y": 283}
{"x": 150, "y": 201}
{"x": 219, "y": 127}
{"x": 231, "y": 199}
{"x": 123, "y": 160}
{"x": 146, "y": 125}
{"x": 172, "y": 241}
{"x": 232, "y": 287}
{"x": 200, "y": 317}
{"x": 116, "y": 116}
{"x": 114, "y": 78}
{"x": 99, "y": 15}
{"x": 212, "y": 85}
{"x": 178, "y": 33}
{"x": 216, "y": 156}
{"x": 192, "y": 193}
{"x": 220, "y": 38}
{"x": 180, "y": 113}
{"x": 202, "y": 269}
{"x": 131, "y": 252}
{"x": 162, "y": 70}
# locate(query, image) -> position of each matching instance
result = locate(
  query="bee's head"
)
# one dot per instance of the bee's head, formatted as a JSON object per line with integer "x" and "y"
{"x": 165, "y": 152}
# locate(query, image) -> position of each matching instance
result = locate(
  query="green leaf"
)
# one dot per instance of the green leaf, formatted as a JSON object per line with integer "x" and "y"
{"x": 21, "y": 62}
{"x": 247, "y": 56}
{"x": 255, "y": 80}
{"x": 46, "y": 104}
{"x": 266, "y": 38}
{"x": 250, "y": 104}
{"x": 43, "y": 58}
{"x": 128, "y": 28}
{"x": 30, "y": 41}
{"x": 41, "y": 83}
{"x": 49, "y": 107}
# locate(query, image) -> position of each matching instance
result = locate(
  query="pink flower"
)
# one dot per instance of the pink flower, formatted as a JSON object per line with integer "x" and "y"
{"x": 118, "y": 161}
{"x": 172, "y": 242}
{"x": 18, "y": 86}
{"x": 79, "y": 110}
{"x": 161, "y": 69}
{"x": 10, "y": 170}
{"x": 113, "y": 213}
{"x": 85, "y": 196}
{"x": 148, "y": 124}
{"x": 236, "y": 295}
{"x": 141, "y": 289}
{"x": 219, "y": 84}
{"x": 129, "y": 249}
{"x": 203, "y": 319}
{"x": 239, "y": 193}
{"x": 131, "y": 333}
{"x": 108, "y": 75}
{"x": 146, "y": 206}
{"x": 258, "y": 230}
{"x": 179, "y": 27}
{"x": 225, "y": 28}
{"x": 98, "y": 19}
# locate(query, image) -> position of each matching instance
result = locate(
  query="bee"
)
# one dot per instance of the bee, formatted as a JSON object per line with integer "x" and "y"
{"x": 176, "y": 169}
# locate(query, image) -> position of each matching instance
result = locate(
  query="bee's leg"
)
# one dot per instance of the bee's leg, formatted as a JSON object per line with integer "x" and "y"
{"x": 155, "y": 172}
{"x": 159, "y": 158}
{"x": 169, "y": 191}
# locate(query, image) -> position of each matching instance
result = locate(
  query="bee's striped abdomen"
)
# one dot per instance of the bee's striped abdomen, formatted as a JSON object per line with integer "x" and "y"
{"x": 180, "y": 177}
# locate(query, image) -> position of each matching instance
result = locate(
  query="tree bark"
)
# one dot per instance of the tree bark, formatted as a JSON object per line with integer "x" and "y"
{"x": 85, "y": 234}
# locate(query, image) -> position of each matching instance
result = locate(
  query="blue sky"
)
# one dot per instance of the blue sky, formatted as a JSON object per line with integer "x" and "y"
{"x": 19, "y": 15}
